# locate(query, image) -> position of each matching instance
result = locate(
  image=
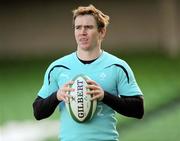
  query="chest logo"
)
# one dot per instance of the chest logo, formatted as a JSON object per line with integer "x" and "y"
{"x": 102, "y": 76}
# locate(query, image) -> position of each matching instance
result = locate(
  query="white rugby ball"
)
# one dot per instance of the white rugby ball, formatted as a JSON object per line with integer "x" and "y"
{"x": 80, "y": 107}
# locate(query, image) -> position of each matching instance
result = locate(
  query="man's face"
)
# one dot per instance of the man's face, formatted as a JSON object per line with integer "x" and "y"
{"x": 86, "y": 32}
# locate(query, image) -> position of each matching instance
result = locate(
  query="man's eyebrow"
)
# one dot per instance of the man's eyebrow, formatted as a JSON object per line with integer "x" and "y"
{"x": 89, "y": 26}
{"x": 84, "y": 25}
{"x": 78, "y": 25}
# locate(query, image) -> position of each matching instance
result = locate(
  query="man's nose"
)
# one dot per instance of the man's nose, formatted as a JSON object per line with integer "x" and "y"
{"x": 83, "y": 31}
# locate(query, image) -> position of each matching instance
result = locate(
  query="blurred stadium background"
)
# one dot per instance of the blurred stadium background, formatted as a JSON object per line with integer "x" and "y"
{"x": 145, "y": 33}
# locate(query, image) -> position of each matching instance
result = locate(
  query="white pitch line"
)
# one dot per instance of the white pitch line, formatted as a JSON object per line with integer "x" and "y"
{"x": 29, "y": 130}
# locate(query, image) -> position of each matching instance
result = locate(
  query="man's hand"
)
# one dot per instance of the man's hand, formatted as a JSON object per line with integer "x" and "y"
{"x": 95, "y": 90}
{"x": 62, "y": 94}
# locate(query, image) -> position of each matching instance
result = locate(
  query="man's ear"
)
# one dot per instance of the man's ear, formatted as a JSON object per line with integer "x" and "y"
{"x": 102, "y": 32}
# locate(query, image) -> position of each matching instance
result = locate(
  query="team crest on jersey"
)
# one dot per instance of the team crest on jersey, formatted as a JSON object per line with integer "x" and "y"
{"x": 102, "y": 76}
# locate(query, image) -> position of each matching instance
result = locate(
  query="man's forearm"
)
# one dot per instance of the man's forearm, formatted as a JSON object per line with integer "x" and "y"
{"x": 131, "y": 106}
{"x": 43, "y": 108}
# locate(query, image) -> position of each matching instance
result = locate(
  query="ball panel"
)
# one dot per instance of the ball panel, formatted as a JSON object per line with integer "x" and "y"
{"x": 80, "y": 107}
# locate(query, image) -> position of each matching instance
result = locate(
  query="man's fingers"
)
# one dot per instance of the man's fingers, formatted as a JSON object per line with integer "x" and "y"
{"x": 91, "y": 82}
{"x": 68, "y": 83}
{"x": 66, "y": 98}
{"x": 63, "y": 93}
{"x": 92, "y": 87}
{"x": 95, "y": 97}
{"x": 93, "y": 92}
{"x": 67, "y": 89}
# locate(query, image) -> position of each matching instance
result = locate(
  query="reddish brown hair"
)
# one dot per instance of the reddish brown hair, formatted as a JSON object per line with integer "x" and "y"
{"x": 102, "y": 20}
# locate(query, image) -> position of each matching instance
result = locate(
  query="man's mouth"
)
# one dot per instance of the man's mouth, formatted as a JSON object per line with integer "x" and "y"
{"x": 83, "y": 40}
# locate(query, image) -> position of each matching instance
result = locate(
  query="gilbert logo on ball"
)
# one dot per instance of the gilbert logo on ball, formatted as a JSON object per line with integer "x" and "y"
{"x": 80, "y": 107}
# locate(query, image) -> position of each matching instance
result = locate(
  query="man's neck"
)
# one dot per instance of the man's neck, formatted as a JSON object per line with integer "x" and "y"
{"x": 87, "y": 55}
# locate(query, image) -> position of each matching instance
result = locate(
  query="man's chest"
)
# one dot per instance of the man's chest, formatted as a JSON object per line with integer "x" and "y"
{"x": 107, "y": 78}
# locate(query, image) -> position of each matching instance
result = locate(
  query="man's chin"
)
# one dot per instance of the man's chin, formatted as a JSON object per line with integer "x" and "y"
{"x": 85, "y": 47}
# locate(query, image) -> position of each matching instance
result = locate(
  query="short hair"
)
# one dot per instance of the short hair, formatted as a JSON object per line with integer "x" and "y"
{"x": 102, "y": 20}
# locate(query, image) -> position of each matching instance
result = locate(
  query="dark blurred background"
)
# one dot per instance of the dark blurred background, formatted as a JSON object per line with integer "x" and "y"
{"x": 40, "y": 28}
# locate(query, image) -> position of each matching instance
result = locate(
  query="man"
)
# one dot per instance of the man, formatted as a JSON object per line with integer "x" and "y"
{"x": 113, "y": 83}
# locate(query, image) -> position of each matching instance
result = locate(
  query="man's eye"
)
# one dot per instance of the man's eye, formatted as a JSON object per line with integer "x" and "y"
{"x": 77, "y": 27}
{"x": 89, "y": 27}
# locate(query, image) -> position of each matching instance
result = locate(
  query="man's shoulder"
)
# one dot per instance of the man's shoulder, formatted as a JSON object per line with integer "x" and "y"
{"x": 112, "y": 59}
{"x": 63, "y": 61}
